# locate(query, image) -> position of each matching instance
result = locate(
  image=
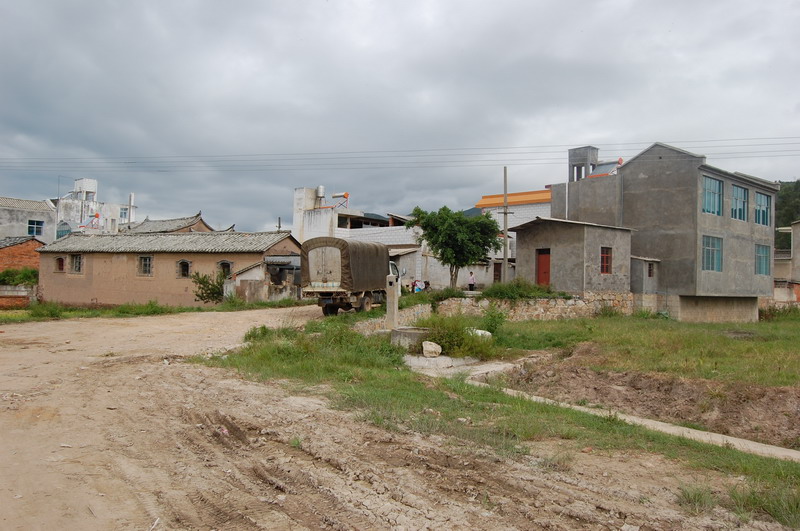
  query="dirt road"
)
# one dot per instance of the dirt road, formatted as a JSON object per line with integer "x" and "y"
{"x": 103, "y": 426}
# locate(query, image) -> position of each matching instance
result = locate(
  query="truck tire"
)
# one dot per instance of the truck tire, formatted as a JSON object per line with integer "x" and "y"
{"x": 366, "y": 303}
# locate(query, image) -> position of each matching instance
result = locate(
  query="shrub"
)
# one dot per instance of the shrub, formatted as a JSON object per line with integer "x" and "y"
{"x": 775, "y": 313}
{"x": 455, "y": 337}
{"x": 46, "y": 310}
{"x": 493, "y": 318}
{"x": 27, "y": 276}
{"x": 208, "y": 288}
{"x": 520, "y": 289}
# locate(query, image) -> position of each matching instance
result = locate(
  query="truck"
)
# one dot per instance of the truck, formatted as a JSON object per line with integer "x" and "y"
{"x": 345, "y": 274}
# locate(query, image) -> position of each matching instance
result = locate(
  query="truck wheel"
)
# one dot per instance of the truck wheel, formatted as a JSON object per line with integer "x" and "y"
{"x": 366, "y": 303}
{"x": 330, "y": 309}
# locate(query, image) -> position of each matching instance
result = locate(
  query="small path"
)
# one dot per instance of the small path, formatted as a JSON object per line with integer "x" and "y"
{"x": 444, "y": 366}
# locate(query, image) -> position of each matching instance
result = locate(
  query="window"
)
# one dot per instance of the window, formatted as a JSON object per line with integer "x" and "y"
{"x": 60, "y": 265}
{"x": 76, "y": 263}
{"x": 651, "y": 269}
{"x": 739, "y": 203}
{"x": 145, "y": 267}
{"x": 184, "y": 269}
{"x": 226, "y": 267}
{"x": 35, "y": 227}
{"x": 712, "y": 253}
{"x": 762, "y": 260}
{"x": 712, "y": 196}
{"x": 605, "y": 260}
{"x": 123, "y": 214}
{"x": 763, "y": 209}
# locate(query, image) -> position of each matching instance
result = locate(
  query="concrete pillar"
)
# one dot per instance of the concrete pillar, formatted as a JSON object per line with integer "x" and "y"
{"x": 392, "y": 301}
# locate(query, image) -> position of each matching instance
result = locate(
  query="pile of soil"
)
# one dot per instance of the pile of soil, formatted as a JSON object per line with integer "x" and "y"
{"x": 758, "y": 413}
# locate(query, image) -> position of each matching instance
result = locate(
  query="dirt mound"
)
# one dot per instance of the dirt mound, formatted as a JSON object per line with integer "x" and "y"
{"x": 763, "y": 414}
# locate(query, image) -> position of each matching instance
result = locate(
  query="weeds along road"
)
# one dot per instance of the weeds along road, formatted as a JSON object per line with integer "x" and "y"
{"x": 104, "y": 426}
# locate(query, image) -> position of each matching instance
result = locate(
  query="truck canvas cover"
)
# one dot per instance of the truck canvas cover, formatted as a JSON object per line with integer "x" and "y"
{"x": 363, "y": 266}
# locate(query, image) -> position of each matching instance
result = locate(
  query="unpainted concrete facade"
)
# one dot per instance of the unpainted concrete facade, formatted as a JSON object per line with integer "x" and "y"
{"x": 575, "y": 255}
{"x": 17, "y": 215}
{"x": 659, "y": 194}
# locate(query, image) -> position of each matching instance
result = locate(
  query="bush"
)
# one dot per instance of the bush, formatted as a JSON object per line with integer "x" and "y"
{"x": 493, "y": 319}
{"x": 520, "y": 289}
{"x": 775, "y": 313}
{"x": 27, "y": 276}
{"x": 46, "y": 310}
{"x": 208, "y": 288}
{"x": 454, "y": 336}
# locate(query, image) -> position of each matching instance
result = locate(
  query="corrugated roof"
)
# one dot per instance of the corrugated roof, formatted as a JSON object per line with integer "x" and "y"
{"x": 180, "y": 242}
{"x": 517, "y": 198}
{"x": 25, "y": 204}
{"x": 15, "y": 240}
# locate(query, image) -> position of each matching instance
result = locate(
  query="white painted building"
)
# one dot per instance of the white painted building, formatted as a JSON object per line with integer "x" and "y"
{"x": 80, "y": 211}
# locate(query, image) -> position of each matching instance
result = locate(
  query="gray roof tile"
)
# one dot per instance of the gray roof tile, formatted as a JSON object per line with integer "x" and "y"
{"x": 181, "y": 242}
{"x": 25, "y": 204}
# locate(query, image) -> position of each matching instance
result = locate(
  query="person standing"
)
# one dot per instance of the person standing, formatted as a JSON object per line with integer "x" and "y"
{"x": 471, "y": 281}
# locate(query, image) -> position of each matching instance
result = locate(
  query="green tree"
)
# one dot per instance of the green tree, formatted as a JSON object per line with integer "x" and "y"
{"x": 787, "y": 210}
{"x": 208, "y": 288}
{"x": 455, "y": 239}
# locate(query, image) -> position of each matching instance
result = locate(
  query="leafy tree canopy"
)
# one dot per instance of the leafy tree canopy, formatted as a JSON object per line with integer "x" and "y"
{"x": 787, "y": 210}
{"x": 455, "y": 239}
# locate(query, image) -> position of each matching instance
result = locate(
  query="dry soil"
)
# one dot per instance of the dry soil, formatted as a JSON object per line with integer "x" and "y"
{"x": 104, "y": 425}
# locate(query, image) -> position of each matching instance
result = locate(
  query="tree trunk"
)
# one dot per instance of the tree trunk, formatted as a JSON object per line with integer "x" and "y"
{"x": 454, "y": 276}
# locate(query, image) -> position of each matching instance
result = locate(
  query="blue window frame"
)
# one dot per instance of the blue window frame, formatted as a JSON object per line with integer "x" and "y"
{"x": 762, "y": 260}
{"x": 35, "y": 227}
{"x": 739, "y": 197}
{"x": 763, "y": 209}
{"x": 712, "y": 196}
{"x": 712, "y": 253}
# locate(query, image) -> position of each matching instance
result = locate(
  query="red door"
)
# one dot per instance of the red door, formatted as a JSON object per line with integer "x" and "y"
{"x": 543, "y": 267}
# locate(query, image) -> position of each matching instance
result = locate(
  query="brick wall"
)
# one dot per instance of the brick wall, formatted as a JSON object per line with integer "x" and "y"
{"x": 21, "y": 255}
{"x": 16, "y": 296}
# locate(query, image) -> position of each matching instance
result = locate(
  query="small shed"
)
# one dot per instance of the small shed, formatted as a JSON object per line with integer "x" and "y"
{"x": 574, "y": 256}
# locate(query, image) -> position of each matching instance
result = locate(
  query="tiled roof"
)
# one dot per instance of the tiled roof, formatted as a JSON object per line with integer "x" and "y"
{"x": 517, "y": 198}
{"x": 162, "y": 225}
{"x": 181, "y": 242}
{"x": 14, "y": 240}
{"x": 25, "y": 204}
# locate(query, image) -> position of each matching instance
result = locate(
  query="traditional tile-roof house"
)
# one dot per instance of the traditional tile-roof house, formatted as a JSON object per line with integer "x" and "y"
{"x": 188, "y": 224}
{"x": 19, "y": 252}
{"x": 117, "y": 269}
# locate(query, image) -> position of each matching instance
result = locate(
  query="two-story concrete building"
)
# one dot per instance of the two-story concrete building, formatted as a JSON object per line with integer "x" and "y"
{"x": 708, "y": 231}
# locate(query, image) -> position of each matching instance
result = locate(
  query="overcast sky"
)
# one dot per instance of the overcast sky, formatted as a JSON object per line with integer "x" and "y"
{"x": 226, "y": 107}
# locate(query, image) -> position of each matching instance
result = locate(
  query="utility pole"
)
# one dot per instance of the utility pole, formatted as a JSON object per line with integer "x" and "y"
{"x": 504, "y": 271}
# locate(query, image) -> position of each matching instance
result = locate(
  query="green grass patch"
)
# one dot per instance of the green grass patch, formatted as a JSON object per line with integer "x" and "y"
{"x": 367, "y": 374}
{"x": 43, "y": 311}
{"x": 763, "y": 353}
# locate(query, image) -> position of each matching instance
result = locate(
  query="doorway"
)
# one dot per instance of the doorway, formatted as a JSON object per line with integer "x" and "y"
{"x": 543, "y": 267}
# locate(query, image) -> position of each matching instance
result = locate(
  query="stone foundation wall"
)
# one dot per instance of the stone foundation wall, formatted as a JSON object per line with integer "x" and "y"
{"x": 544, "y": 309}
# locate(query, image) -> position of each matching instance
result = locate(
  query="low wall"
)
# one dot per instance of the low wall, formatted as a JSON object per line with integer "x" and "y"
{"x": 16, "y": 296}
{"x": 521, "y": 310}
{"x": 544, "y": 309}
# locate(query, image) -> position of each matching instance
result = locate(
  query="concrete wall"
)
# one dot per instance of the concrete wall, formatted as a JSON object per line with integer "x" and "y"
{"x": 714, "y": 309}
{"x": 795, "y": 253}
{"x": 21, "y": 255}
{"x": 111, "y": 279}
{"x": 659, "y": 194}
{"x": 575, "y": 256}
{"x": 640, "y": 281}
{"x": 14, "y": 222}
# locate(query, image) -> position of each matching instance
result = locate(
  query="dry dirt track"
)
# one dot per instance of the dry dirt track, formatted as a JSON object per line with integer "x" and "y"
{"x": 102, "y": 426}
